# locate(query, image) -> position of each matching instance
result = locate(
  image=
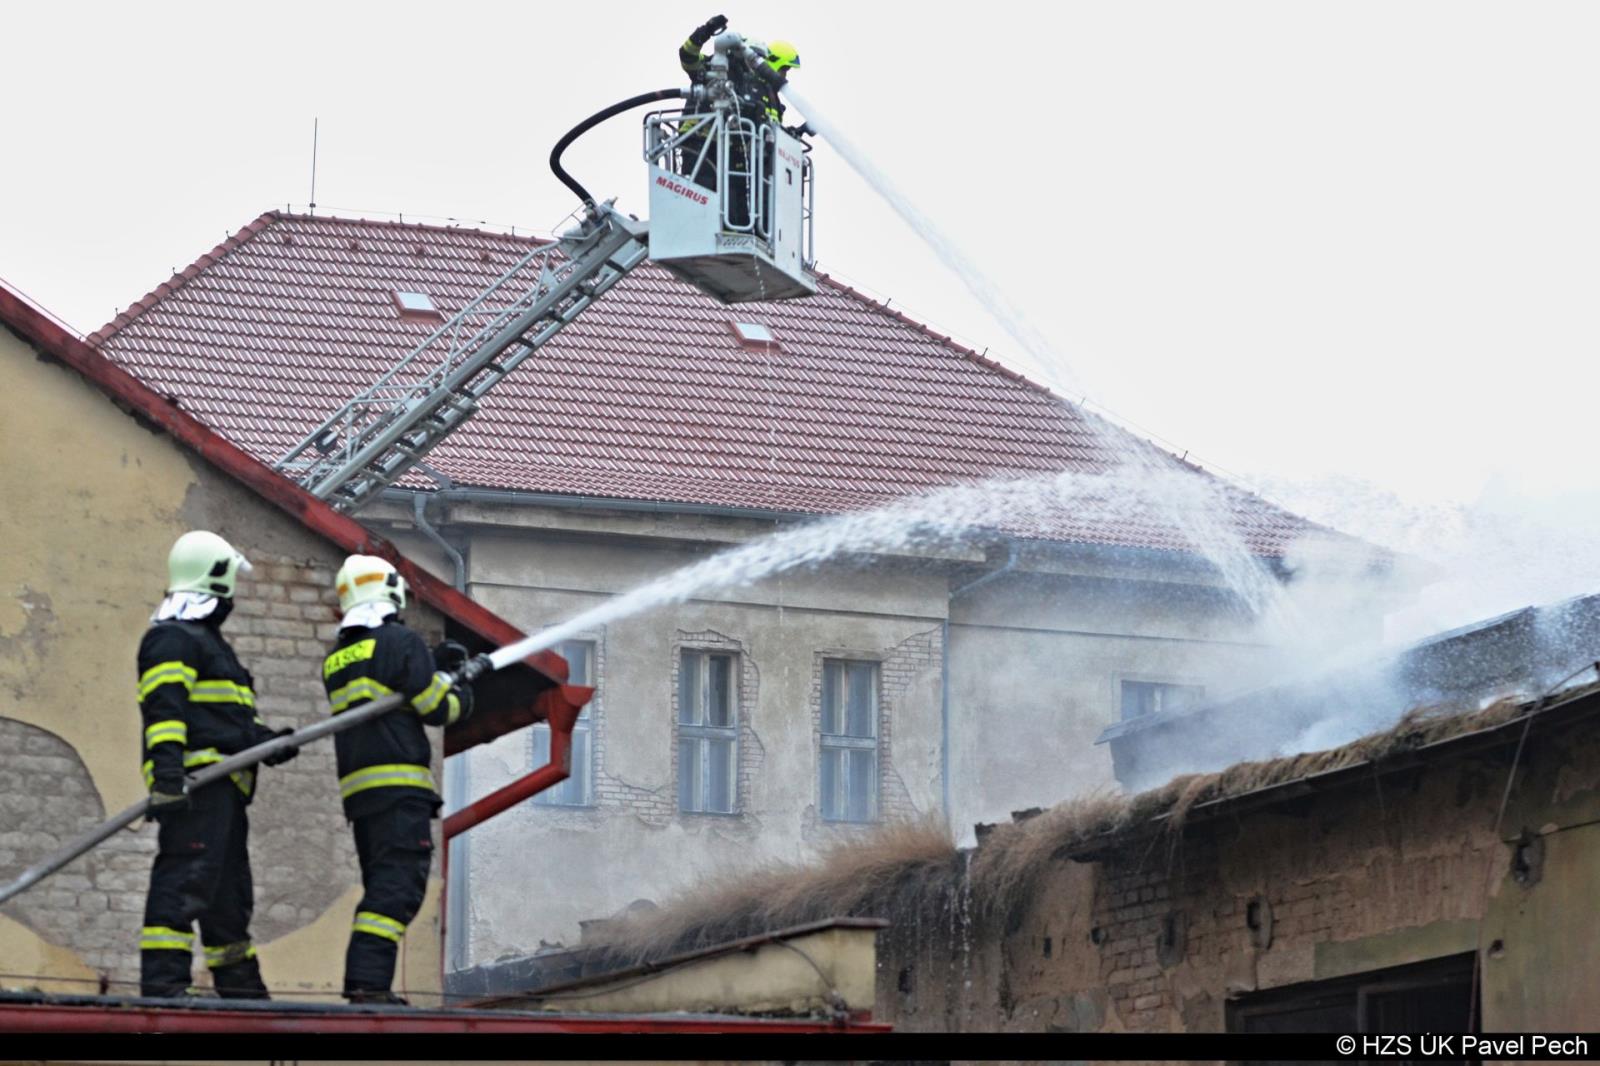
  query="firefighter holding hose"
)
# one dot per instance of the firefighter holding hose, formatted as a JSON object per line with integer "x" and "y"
{"x": 759, "y": 94}
{"x": 755, "y": 79}
{"x": 198, "y": 705}
{"x": 385, "y": 780}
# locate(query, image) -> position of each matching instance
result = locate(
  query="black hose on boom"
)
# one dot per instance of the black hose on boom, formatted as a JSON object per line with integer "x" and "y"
{"x": 594, "y": 120}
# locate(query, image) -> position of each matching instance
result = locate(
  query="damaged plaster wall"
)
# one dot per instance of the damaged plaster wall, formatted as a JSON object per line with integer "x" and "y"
{"x": 95, "y": 502}
{"x": 588, "y": 863}
{"x": 1035, "y": 660}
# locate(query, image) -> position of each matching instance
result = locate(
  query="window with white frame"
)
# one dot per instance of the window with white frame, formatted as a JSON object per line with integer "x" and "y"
{"x": 849, "y": 756}
{"x": 708, "y": 732}
{"x": 1156, "y": 697}
{"x": 578, "y": 789}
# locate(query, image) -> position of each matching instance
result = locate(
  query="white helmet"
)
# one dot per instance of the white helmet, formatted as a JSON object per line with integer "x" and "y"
{"x": 203, "y": 562}
{"x": 369, "y": 579}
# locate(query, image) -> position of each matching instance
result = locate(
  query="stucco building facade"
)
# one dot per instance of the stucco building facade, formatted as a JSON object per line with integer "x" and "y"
{"x": 958, "y": 681}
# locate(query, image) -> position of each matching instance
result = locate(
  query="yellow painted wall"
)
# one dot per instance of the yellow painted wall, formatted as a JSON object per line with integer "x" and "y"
{"x": 22, "y": 951}
{"x": 93, "y": 503}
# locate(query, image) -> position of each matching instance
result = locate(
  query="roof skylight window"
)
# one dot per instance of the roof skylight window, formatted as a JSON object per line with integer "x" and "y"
{"x": 754, "y": 335}
{"x": 415, "y": 303}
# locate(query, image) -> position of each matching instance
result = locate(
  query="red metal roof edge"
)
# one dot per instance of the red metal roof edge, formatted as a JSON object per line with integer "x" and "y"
{"x": 343, "y": 531}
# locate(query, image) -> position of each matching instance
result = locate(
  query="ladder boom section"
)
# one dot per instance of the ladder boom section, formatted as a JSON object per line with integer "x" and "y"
{"x": 369, "y": 443}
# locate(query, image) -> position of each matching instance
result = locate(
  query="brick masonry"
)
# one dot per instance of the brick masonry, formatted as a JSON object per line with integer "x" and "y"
{"x": 302, "y": 853}
{"x": 1160, "y": 932}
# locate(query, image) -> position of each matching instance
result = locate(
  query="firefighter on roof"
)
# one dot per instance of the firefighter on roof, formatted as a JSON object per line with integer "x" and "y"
{"x": 198, "y": 707}
{"x": 384, "y": 777}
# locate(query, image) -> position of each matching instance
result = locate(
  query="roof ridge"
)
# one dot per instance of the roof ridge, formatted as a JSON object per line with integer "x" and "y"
{"x": 390, "y": 223}
{"x": 229, "y": 244}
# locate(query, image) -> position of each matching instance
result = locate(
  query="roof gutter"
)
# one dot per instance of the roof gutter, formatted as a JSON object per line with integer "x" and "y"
{"x": 419, "y": 508}
{"x": 983, "y": 579}
{"x": 600, "y": 503}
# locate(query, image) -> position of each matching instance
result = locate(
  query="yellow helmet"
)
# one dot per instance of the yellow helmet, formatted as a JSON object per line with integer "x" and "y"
{"x": 369, "y": 579}
{"x": 201, "y": 561}
{"x": 781, "y": 55}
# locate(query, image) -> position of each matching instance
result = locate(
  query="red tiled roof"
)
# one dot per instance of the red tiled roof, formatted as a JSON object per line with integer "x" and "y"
{"x": 648, "y": 396}
{"x": 508, "y": 707}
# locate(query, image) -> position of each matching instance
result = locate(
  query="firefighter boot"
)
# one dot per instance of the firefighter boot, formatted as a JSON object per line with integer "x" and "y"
{"x": 240, "y": 980}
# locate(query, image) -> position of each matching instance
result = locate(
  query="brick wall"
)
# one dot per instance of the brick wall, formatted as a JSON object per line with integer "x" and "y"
{"x": 1158, "y": 932}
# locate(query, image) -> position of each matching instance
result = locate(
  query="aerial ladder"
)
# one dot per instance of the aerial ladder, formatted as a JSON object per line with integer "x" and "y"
{"x": 730, "y": 203}
{"x": 730, "y": 212}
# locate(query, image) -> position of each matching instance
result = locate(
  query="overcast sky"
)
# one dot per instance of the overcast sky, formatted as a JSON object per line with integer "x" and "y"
{"x": 1303, "y": 241}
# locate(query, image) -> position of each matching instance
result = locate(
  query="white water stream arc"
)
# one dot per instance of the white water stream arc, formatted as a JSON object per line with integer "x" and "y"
{"x": 1194, "y": 504}
{"x": 1128, "y": 494}
{"x": 1143, "y": 486}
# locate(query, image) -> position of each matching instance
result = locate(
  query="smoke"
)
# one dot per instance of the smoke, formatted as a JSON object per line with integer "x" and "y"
{"x": 1347, "y": 604}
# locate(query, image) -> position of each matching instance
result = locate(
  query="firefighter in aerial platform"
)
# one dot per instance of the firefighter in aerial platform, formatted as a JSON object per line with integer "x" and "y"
{"x": 759, "y": 101}
{"x": 694, "y": 65}
{"x": 385, "y": 782}
{"x": 198, "y": 706}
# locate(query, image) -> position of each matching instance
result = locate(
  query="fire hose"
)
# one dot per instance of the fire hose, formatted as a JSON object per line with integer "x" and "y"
{"x": 243, "y": 760}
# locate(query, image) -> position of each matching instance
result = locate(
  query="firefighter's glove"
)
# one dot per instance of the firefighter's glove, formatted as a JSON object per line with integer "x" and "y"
{"x": 713, "y": 26}
{"x": 167, "y": 799}
{"x": 278, "y": 758}
{"x": 474, "y": 668}
{"x": 464, "y": 697}
{"x": 802, "y": 130}
{"x": 450, "y": 657}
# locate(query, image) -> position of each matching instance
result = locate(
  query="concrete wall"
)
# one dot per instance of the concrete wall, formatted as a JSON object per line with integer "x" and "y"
{"x": 1395, "y": 871}
{"x": 1034, "y": 665}
{"x": 94, "y": 502}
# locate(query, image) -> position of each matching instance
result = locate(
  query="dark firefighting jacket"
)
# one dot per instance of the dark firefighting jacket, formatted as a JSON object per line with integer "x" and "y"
{"x": 387, "y": 758}
{"x": 198, "y": 704}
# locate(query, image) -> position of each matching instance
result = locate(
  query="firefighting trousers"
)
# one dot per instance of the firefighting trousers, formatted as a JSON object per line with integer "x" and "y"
{"x": 395, "y": 846}
{"x": 201, "y": 874}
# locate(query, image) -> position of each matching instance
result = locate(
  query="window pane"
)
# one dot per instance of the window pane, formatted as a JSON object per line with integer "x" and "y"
{"x": 831, "y": 686}
{"x": 688, "y": 775}
{"x": 1153, "y": 697}
{"x": 689, "y": 689}
{"x": 831, "y": 777}
{"x": 577, "y": 786}
{"x": 541, "y": 746}
{"x": 720, "y": 758}
{"x": 580, "y": 660}
{"x": 858, "y": 805}
{"x": 720, "y": 711}
{"x": 862, "y": 679}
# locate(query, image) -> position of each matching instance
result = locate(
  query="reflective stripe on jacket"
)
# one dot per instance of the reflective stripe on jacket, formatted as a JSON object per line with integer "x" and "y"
{"x": 388, "y": 757}
{"x": 197, "y": 701}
